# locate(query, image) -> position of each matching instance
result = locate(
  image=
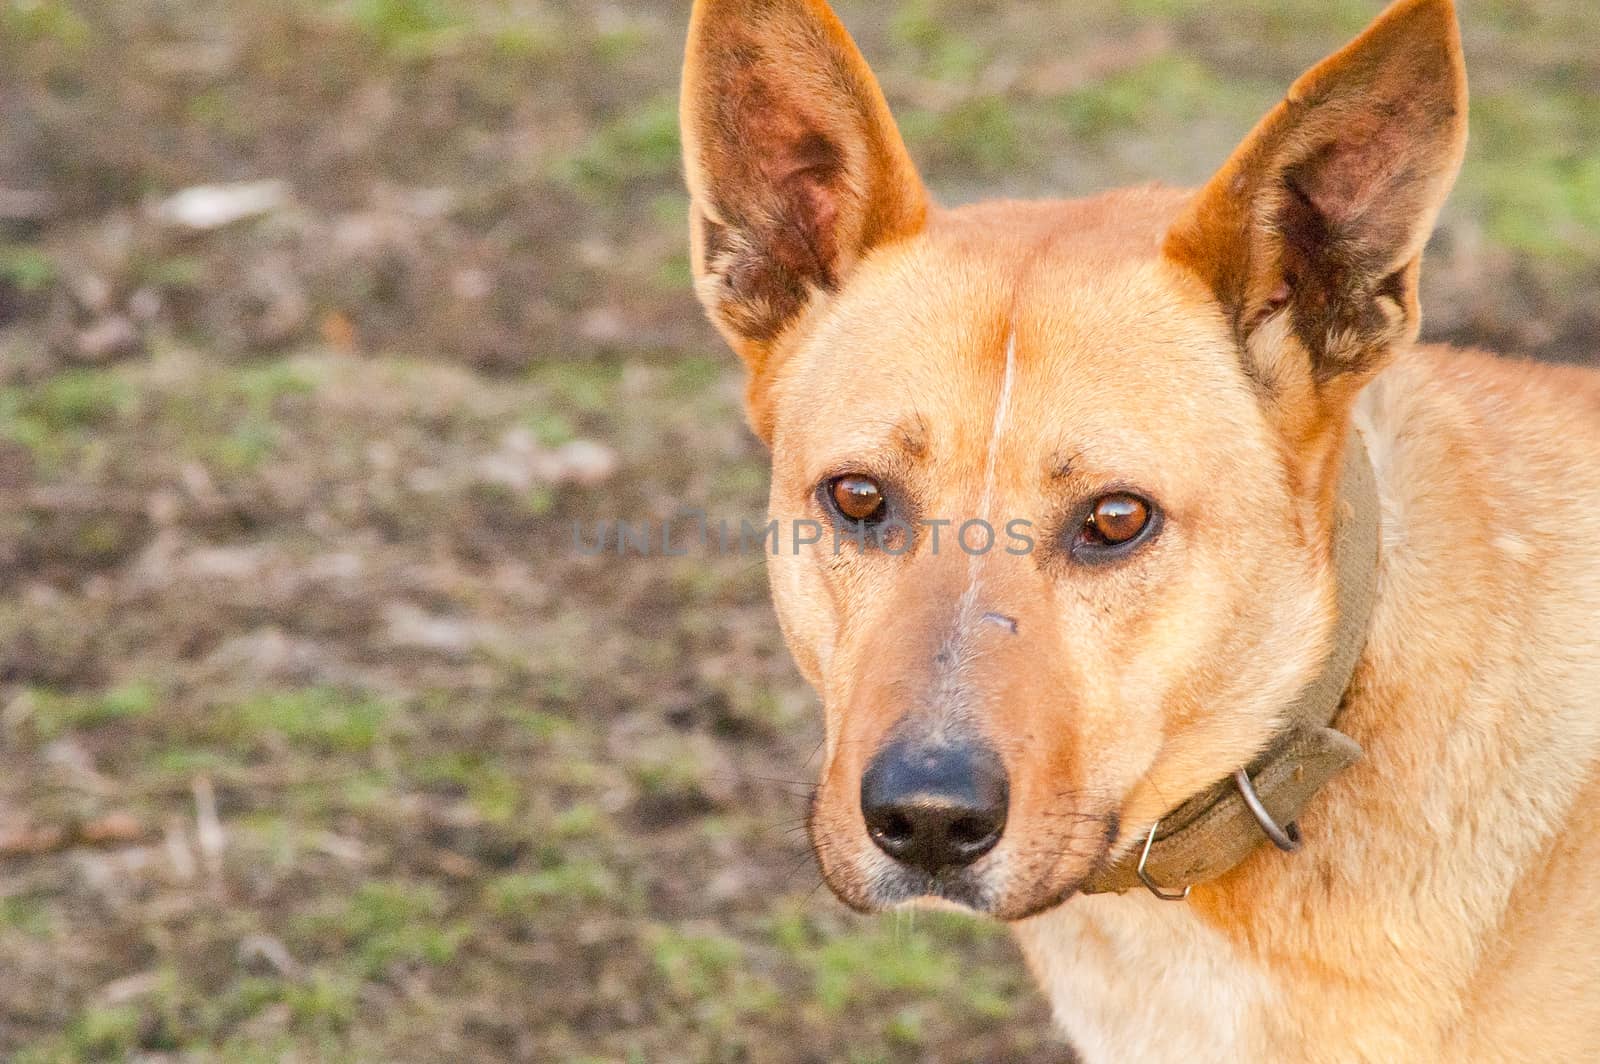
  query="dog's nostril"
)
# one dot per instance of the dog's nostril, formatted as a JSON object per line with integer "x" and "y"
{"x": 970, "y": 831}
{"x": 893, "y": 827}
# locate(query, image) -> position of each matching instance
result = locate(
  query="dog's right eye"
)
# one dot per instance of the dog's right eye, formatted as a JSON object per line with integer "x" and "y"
{"x": 857, "y": 498}
{"x": 1116, "y": 519}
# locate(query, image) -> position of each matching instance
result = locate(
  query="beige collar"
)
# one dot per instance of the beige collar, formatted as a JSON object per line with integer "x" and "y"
{"x": 1218, "y": 828}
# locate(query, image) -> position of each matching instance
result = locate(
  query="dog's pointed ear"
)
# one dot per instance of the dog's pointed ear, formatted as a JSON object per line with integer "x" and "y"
{"x": 1311, "y": 234}
{"x": 794, "y": 165}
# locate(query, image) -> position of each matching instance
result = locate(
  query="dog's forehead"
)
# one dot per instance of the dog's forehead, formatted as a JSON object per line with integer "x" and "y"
{"x": 1103, "y": 339}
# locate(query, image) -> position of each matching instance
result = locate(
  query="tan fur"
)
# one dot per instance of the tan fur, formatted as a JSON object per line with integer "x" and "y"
{"x": 1210, "y": 350}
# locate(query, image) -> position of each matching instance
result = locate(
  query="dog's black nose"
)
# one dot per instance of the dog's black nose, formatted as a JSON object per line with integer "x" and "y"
{"x": 935, "y": 807}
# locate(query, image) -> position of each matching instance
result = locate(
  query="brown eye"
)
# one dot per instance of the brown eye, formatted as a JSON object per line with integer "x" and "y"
{"x": 857, "y": 498}
{"x": 1116, "y": 519}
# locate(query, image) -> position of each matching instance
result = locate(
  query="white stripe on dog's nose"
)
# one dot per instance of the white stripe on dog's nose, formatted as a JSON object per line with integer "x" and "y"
{"x": 1002, "y": 410}
{"x": 951, "y": 693}
{"x": 958, "y": 646}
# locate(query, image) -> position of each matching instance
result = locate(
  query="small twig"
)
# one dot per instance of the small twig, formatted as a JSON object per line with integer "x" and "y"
{"x": 208, "y": 828}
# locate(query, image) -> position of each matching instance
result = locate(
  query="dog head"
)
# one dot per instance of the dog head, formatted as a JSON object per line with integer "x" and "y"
{"x": 1079, "y": 459}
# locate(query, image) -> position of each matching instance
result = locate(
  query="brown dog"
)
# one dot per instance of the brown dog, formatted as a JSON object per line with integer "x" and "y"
{"x": 1192, "y": 418}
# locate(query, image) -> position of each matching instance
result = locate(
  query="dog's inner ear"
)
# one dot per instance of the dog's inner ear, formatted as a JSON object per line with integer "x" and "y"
{"x": 794, "y": 166}
{"x": 1311, "y": 234}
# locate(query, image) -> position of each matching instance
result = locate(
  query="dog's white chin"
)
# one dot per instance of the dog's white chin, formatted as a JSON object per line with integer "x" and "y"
{"x": 933, "y": 901}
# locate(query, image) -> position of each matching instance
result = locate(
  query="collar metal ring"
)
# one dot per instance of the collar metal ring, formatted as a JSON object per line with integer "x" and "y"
{"x": 1285, "y": 838}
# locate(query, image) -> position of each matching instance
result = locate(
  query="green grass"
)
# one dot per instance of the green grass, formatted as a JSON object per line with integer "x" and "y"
{"x": 493, "y": 792}
{"x": 182, "y": 764}
{"x": 1313, "y": 16}
{"x": 387, "y": 923}
{"x": 1167, "y": 88}
{"x": 898, "y": 954}
{"x": 170, "y": 271}
{"x": 409, "y": 27}
{"x": 1533, "y": 174}
{"x": 43, "y": 22}
{"x": 619, "y": 43}
{"x": 234, "y": 419}
{"x": 324, "y": 1002}
{"x": 640, "y": 145}
{"x": 695, "y": 965}
{"x": 55, "y": 713}
{"x": 29, "y": 915}
{"x": 174, "y": 1014}
{"x": 579, "y": 821}
{"x": 672, "y": 766}
{"x": 321, "y": 719}
{"x": 582, "y": 387}
{"x": 572, "y": 884}
{"x": 244, "y": 448}
{"x": 551, "y": 428}
{"x": 96, "y": 1034}
{"x": 262, "y": 386}
{"x": 943, "y": 51}
{"x": 527, "y": 40}
{"x": 28, "y": 268}
{"x": 71, "y": 400}
{"x": 980, "y": 134}
{"x": 57, "y": 418}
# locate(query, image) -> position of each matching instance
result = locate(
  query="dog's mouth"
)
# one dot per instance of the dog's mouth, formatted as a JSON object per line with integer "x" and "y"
{"x": 1025, "y": 876}
{"x": 896, "y": 886}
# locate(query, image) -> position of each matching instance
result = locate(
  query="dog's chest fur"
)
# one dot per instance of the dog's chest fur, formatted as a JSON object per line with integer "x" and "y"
{"x": 1130, "y": 977}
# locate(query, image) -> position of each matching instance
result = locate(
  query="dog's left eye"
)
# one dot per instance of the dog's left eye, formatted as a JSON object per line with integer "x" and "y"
{"x": 857, "y": 498}
{"x": 1113, "y": 525}
{"x": 1117, "y": 518}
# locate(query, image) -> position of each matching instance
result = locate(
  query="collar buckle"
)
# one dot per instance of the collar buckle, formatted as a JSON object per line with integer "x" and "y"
{"x": 1144, "y": 877}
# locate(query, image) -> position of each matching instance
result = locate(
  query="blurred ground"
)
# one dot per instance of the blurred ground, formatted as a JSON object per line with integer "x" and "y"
{"x": 317, "y": 740}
